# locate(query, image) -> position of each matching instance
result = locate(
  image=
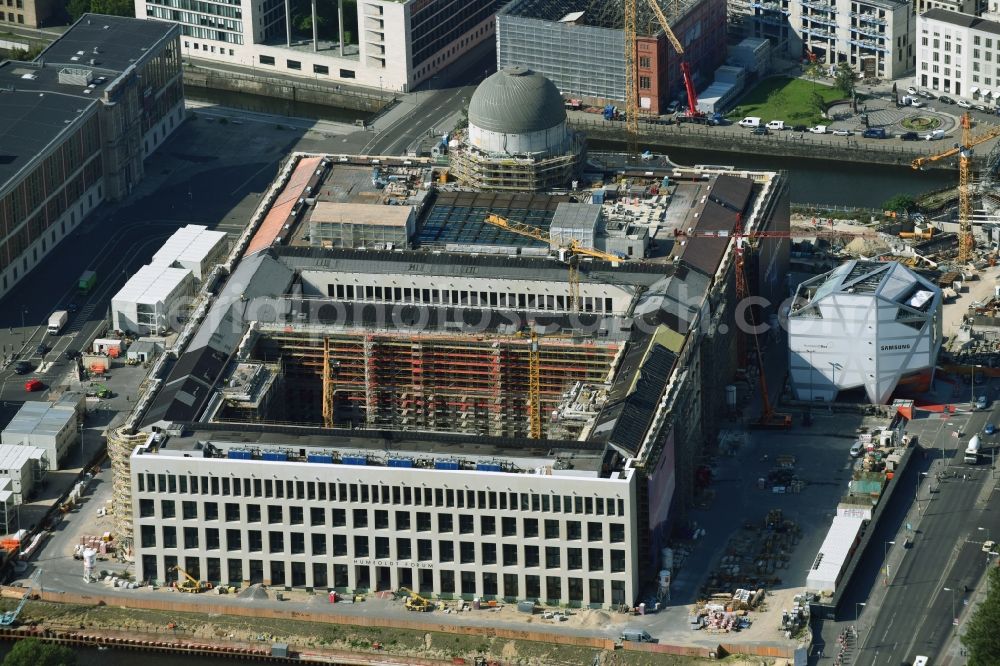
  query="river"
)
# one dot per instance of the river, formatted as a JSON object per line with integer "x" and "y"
{"x": 810, "y": 181}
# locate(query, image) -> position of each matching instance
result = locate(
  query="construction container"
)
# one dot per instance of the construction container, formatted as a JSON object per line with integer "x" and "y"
{"x": 526, "y": 607}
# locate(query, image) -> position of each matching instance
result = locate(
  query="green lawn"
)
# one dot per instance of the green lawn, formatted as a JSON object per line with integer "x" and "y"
{"x": 781, "y": 98}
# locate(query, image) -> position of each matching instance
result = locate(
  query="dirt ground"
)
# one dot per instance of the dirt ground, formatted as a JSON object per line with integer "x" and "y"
{"x": 300, "y": 635}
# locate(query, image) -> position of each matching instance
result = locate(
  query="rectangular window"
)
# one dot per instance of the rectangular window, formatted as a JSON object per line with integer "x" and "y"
{"x": 294, "y": 64}
{"x": 276, "y": 542}
{"x": 346, "y": 74}
{"x": 234, "y": 540}
{"x": 168, "y": 509}
{"x": 645, "y": 83}
{"x": 191, "y": 538}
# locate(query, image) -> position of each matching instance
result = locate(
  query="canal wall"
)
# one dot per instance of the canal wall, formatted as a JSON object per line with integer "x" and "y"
{"x": 287, "y": 89}
{"x": 777, "y": 144}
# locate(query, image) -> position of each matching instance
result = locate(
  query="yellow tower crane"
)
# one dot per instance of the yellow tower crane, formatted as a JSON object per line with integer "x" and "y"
{"x": 632, "y": 75}
{"x": 966, "y": 243}
{"x": 573, "y": 252}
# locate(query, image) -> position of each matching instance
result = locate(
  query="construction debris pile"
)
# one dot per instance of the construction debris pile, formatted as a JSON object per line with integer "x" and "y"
{"x": 782, "y": 477}
{"x": 754, "y": 555}
{"x": 724, "y": 613}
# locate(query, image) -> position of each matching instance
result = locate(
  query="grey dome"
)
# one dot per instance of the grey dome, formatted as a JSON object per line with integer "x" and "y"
{"x": 516, "y": 100}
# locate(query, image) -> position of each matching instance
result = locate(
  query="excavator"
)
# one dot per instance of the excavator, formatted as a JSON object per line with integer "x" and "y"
{"x": 415, "y": 602}
{"x": 190, "y": 583}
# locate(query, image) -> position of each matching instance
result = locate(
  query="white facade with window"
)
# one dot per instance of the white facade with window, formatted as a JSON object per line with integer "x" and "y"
{"x": 564, "y": 534}
{"x": 394, "y": 44}
{"x": 959, "y": 55}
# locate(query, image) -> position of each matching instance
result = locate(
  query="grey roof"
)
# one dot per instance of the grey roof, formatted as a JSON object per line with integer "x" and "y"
{"x": 120, "y": 41}
{"x": 963, "y": 20}
{"x": 579, "y": 217}
{"x": 516, "y": 100}
{"x": 34, "y": 113}
{"x": 189, "y": 385}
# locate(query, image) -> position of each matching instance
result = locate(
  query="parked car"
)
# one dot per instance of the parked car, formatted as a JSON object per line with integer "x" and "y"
{"x": 759, "y": 130}
{"x": 911, "y": 90}
{"x": 857, "y": 449}
{"x": 917, "y": 104}
{"x": 819, "y": 129}
{"x": 944, "y": 99}
{"x": 672, "y": 107}
{"x": 909, "y": 136}
{"x": 981, "y": 108}
{"x": 875, "y": 133}
{"x": 799, "y": 128}
{"x": 965, "y": 105}
{"x": 982, "y": 402}
{"x": 989, "y": 429}
{"x": 934, "y": 135}
{"x": 926, "y": 94}
{"x": 22, "y": 368}
{"x": 71, "y": 354}
{"x": 42, "y": 349}
{"x": 33, "y": 385}
{"x": 842, "y": 132}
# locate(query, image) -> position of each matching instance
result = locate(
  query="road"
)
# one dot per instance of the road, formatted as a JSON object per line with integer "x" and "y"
{"x": 914, "y": 613}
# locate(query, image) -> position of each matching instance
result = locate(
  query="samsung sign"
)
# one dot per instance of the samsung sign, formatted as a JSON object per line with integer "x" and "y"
{"x": 894, "y": 347}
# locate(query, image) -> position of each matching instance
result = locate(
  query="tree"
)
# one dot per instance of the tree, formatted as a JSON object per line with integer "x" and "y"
{"x": 818, "y": 102}
{"x": 845, "y": 78}
{"x": 77, "y": 8}
{"x": 113, "y": 7}
{"x": 32, "y": 652}
{"x": 900, "y": 202}
{"x": 981, "y": 637}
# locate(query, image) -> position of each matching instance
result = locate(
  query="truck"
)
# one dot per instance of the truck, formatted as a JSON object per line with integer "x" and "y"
{"x": 972, "y": 451}
{"x": 57, "y": 320}
{"x": 86, "y": 282}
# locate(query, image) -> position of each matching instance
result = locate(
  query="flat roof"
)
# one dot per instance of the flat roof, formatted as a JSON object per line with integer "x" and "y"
{"x": 460, "y": 218}
{"x": 15, "y": 456}
{"x": 153, "y": 283}
{"x": 120, "y": 41}
{"x": 277, "y": 216}
{"x": 40, "y": 418}
{"x": 192, "y": 242}
{"x": 33, "y": 114}
{"x": 526, "y": 454}
{"x": 834, "y": 553}
{"x": 360, "y": 213}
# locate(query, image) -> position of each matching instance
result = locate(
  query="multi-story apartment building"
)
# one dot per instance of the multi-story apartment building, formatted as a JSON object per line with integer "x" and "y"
{"x": 391, "y": 44}
{"x": 80, "y": 120}
{"x": 874, "y": 36}
{"x": 959, "y": 54}
{"x": 960, "y": 6}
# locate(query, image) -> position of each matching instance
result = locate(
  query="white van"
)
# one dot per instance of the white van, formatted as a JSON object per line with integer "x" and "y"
{"x": 934, "y": 136}
{"x": 776, "y": 125}
{"x": 750, "y": 121}
{"x": 636, "y": 636}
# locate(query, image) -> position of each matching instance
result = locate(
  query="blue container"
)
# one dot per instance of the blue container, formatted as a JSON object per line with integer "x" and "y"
{"x": 239, "y": 454}
{"x": 488, "y": 467}
{"x": 445, "y": 464}
{"x": 319, "y": 458}
{"x": 354, "y": 460}
{"x": 274, "y": 455}
{"x": 400, "y": 462}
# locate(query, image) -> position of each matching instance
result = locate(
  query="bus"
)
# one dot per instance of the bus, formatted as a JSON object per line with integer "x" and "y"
{"x": 86, "y": 282}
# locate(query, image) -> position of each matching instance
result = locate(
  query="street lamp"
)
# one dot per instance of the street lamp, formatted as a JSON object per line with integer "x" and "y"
{"x": 916, "y": 491}
{"x": 857, "y": 610}
{"x": 24, "y": 339}
{"x": 885, "y": 558}
{"x": 972, "y": 397}
{"x": 954, "y": 619}
{"x": 834, "y": 366}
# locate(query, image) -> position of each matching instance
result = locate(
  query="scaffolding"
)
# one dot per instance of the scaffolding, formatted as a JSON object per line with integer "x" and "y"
{"x": 480, "y": 170}
{"x": 121, "y": 443}
{"x": 476, "y": 384}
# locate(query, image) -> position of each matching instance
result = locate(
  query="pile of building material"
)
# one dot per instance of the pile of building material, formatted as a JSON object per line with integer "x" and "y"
{"x": 798, "y": 617}
{"x": 717, "y": 618}
{"x": 754, "y": 554}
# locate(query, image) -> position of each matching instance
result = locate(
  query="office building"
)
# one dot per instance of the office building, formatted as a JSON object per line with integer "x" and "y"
{"x": 385, "y": 44}
{"x": 959, "y": 55}
{"x": 79, "y": 121}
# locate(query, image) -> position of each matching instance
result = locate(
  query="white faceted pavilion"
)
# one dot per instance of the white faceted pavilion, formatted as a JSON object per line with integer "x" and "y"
{"x": 866, "y": 324}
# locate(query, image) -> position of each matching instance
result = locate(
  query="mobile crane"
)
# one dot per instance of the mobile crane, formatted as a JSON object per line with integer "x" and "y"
{"x": 966, "y": 242}
{"x": 415, "y": 602}
{"x": 631, "y": 74}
